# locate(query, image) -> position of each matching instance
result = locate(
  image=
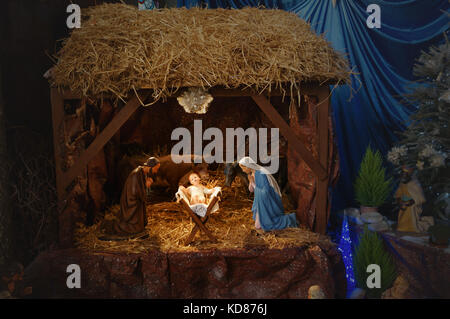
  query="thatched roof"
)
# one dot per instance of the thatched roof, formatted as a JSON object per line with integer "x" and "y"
{"x": 119, "y": 49}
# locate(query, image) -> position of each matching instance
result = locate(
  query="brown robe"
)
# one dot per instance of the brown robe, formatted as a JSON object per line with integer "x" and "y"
{"x": 132, "y": 217}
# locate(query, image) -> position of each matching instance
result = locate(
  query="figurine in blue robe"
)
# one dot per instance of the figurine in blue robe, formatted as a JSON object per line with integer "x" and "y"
{"x": 147, "y": 4}
{"x": 268, "y": 211}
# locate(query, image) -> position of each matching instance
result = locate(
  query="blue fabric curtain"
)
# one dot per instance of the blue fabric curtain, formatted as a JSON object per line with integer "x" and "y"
{"x": 383, "y": 59}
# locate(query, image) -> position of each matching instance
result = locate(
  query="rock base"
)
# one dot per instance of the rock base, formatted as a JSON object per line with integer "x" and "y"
{"x": 240, "y": 273}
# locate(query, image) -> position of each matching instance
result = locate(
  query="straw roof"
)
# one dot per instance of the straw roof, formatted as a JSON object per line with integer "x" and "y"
{"x": 119, "y": 49}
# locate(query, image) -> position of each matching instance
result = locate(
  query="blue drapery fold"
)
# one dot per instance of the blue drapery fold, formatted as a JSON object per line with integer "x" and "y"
{"x": 382, "y": 58}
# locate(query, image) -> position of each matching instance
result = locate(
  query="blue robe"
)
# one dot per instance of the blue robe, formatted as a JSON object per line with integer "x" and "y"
{"x": 268, "y": 204}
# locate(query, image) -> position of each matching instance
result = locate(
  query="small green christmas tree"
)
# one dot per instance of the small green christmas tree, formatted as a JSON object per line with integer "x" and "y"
{"x": 370, "y": 251}
{"x": 371, "y": 186}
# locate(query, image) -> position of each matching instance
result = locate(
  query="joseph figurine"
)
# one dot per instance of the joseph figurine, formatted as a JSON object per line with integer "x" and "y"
{"x": 132, "y": 217}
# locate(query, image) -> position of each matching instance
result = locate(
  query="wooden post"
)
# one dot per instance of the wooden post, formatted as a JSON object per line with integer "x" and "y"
{"x": 57, "y": 103}
{"x": 290, "y": 135}
{"x": 323, "y": 112}
{"x": 101, "y": 139}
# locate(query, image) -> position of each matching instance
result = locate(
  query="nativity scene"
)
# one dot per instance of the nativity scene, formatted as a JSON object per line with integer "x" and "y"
{"x": 193, "y": 204}
{"x": 210, "y": 150}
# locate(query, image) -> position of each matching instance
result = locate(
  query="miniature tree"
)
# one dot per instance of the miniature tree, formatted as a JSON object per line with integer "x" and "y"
{"x": 370, "y": 250}
{"x": 371, "y": 186}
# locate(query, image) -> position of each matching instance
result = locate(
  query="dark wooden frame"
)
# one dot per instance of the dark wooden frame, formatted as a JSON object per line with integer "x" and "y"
{"x": 318, "y": 166}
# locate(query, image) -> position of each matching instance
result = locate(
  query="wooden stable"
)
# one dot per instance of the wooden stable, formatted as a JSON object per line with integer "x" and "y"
{"x": 238, "y": 57}
{"x": 65, "y": 178}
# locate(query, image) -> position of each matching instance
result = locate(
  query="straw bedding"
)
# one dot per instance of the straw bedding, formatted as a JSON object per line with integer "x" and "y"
{"x": 120, "y": 49}
{"x": 168, "y": 228}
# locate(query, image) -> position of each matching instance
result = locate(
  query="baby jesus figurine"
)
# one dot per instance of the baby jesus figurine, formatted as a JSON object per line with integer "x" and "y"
{"x": 197, "y": 194}
{"x": 196, "y": 191}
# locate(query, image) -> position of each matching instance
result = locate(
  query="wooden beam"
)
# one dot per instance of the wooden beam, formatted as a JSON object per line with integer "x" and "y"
{"x": 224, "y": 92}
{"x": 100, "y": 141}
{"x": 57, "y": 103}
{"x": 69, "y": 95}
{"x": 306, "y": 88}
{"x": 290, "y": 135}
{"x": 309, "y": 88}
{"x": 323, "y": 113}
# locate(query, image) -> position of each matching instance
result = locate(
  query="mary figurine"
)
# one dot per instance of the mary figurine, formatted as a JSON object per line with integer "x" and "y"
{"x": 147, "y": 4}
{"x": 268, "y": 211}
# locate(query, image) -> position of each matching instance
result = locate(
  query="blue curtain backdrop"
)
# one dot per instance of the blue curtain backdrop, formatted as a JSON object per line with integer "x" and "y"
{"x": 383, "y": 59}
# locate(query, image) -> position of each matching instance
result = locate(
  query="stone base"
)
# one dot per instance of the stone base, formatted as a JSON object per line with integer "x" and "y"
{"x": 240, "y": 273}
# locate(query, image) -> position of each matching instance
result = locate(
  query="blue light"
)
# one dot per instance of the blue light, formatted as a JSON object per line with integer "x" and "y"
{"x": 345, "y": 248}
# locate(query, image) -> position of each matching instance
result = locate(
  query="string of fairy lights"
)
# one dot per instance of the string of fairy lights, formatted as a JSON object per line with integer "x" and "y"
{"x": 345, "y": 248}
